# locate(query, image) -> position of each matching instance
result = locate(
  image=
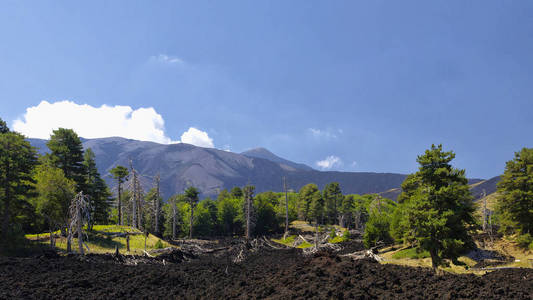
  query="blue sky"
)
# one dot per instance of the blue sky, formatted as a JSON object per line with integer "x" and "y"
{"x": 369, "y": 84}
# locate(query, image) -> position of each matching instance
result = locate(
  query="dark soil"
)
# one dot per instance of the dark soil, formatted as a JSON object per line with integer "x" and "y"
{"x": 275, "y": 274}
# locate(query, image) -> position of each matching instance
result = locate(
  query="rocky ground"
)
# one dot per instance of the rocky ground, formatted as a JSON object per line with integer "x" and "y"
{"x": 263, "y": 272}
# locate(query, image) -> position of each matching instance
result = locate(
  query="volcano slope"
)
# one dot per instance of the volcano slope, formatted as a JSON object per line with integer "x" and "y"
{"x": 268, "y": 273}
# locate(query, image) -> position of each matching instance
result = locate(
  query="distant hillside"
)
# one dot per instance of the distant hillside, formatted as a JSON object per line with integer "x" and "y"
{"x": 485, "y": 186}
{"x": 264, "y": 153}
{"x": 211, "y": 170}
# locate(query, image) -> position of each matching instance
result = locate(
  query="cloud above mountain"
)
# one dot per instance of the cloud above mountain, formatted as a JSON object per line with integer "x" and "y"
{"x": 143, "y": 124}
{"x": 329, "y": 162}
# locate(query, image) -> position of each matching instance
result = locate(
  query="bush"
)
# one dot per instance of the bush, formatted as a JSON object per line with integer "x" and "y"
{"x": 525, "y": 241}
{"x": 159, "y": 245}
{"x": 332, "y": 233}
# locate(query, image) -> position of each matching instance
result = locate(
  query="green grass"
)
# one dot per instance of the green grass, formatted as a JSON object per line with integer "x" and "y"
{"x": 410, "y": 253}
{"x": 289, "y": 241}
{"x": 338, "y": 239}
{"x": 304, "y": 245}
{"x": 100, "y": 240}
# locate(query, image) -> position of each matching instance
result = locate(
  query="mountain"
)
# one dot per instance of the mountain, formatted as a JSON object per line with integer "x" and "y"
{"x": 211, "y": 170}
{"x": 484, "y": 188}
{"x": 265, "y": 154}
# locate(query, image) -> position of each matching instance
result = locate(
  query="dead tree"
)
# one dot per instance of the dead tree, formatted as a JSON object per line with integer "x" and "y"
{"x": 286, "y": 207}
{"x": 484, "y": 211}
{"x": 136, "y": 199}
{"x": 156, "y": 205}
{"x": 79, "y": 214}
{"x": 248, "y": 206}
{"x": 174, "y": 218}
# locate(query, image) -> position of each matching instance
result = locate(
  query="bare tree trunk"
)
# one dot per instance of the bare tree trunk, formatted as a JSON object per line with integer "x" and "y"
{"x": 316, "y": 234}
{"x": 286, "y": 207}
{"x": 80, "y": 236}
{"x": 190, "y": 223}
{"x": 247, "y": 217}
{"x": 119, "y": 205}
{"x": 156, "y": 229}
{"x": 69, "y": 241}
{"x": 173, "y": 219}
{"x": 434, "y": 259}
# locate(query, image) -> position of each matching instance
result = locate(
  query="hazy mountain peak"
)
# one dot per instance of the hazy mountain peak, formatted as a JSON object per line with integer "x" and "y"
{"x": 264, "y": 153}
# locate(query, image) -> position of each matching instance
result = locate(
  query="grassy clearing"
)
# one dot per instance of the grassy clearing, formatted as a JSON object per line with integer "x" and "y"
{"x": 288, "y": 241}
{"x": 304, "y": 245}
{"x": 410, "y": 253}
{"x": 100, "y": 240}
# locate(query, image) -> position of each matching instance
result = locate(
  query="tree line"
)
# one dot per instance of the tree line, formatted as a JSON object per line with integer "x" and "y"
{"x": 434, "y": 212}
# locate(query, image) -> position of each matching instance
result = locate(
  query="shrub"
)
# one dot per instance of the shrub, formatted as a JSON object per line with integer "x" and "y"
{"x": 524, "y": 241}
{"x": 159, "y": 245}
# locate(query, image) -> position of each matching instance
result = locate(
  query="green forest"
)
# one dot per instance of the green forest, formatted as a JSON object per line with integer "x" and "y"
{"x": 435, "y": 211}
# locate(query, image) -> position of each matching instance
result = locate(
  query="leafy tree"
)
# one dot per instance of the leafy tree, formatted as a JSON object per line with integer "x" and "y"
{"x": 293, "y": 206}
{"x": 224, "y": 194}
{"x": 191, "y": 196}
{"x": 377, "y": 228}
{"x": 17, "y": 161}
{"x": 96, "y": 189}
{"x": 316, "y": 210}
{"x": 120, "y": 173}
{"x": 439, "y": 211}
{"x": 267, "y": 220}
{"x": 515, "y": 189}
{"x": 236, "y": 192}
{"x": 55, "y": 192}
{"x": 333, "y": 200}
{"x": 228, "y": 215}
{"x": 305, "y": 199}
{"x": 205, "y": 222}
{"x": 67, "y": 154}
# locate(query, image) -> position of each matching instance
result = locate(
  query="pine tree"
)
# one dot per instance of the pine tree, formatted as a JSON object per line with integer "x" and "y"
{"x": 333, "y": 201}
{"x": 439, "y": 208}
{"x": 96, "y": 191}
{"x": 316, "y": 211}
{"x": 67, "y": 154}
{"x": 17, "y": 161}
{"x": 120, "y": 173}
{"x": 305, "y": 199}
{"x": 515, "y": 189}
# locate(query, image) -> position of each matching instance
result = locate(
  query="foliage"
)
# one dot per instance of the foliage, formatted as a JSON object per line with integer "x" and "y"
{"x": 236, "y": 192}
{"x": 378, "y": 226}
{"x": 333, "y": 201}
{"x": 17, "y": 161}
{"x": 515, "y": 189}
{"x": 228, "y": 213}
{"x": 149, "y": 218}
{"x": 54, "y": 194}
{"x": 438, "y": 213}
{"x": 524, "y": 240}
{"x": 96, "y": 189}
{"x": 67, "y": 154}
{"x": 316, "y": 207}
{"x": 305, "y": 197}
{"x": 3, "y": 127}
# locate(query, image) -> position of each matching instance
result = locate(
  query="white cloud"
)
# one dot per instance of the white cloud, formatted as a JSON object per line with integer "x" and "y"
{"x": 329, "y": 162}
{"x": 143, "y": 124}
{"x": 324, "y": 133}
{"x": 163, "y": 58}
{"x": 197, "y": 137}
